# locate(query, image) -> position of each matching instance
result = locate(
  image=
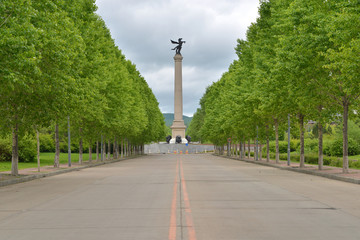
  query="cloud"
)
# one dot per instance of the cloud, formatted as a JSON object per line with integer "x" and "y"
{"x": 142, "y": 29}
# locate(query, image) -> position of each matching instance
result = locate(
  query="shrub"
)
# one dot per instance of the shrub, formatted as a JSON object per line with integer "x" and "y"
{"x": 336, "y": 148}
{"x": 47, "y": 143}
{"x": 326, "y": 160}
{"x": 5, "y": 150}
{"x": 74, "y": 146}
{"x": 326, "y": 147}
{"x": 283, "y": 145}
{"x": 354, "y": 164}
{"x": 311, "y": 159}
{"x": 336, "y": 162}
{"x": 311, "y": 145}
{"x": 294, "y": 144}
{"x": 27, "y": 149}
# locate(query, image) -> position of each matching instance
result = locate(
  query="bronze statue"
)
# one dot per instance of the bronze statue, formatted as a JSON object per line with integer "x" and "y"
{"x": 178, "y": 47}
{"x": 168, "y": 138}
{"x": 178, "y": 139}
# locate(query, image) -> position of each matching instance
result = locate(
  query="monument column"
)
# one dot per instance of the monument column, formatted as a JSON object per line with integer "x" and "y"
{"x": 178, "y": 108}
{"x": 178, "y": 127}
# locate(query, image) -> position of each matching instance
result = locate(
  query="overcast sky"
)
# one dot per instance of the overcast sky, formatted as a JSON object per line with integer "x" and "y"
{"x": 142, "y": 29}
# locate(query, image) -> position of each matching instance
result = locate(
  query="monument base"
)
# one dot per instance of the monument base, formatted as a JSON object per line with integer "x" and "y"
{"x": 178, "y": 129}
{"x": 183, "y": 141}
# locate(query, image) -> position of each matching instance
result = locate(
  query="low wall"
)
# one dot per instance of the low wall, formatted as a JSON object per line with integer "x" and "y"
{"x": 171, "y": 148}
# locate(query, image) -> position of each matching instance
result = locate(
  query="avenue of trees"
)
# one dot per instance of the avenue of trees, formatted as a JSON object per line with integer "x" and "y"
{"x": 300, "y": 59}
{"x": 58, "y": 62}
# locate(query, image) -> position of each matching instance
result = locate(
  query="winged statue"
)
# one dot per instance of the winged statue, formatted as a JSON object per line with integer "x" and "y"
{"x": 179, "y": 45}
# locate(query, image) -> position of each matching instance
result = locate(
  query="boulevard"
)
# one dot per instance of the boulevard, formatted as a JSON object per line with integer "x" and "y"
{"x": 173, "y": 196}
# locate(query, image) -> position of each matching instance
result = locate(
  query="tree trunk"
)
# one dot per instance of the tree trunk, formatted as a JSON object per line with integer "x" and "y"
{"x": 15, "y": 151}
{"x": 240, "y": 149}
{"x": 289, "y": 141}
{"x": 122, "y": 148}
{"x": 104, "y": 151}
{"x": 114, "y": 149}
{"x": 69, "y": 143}
{"x": 301, "y": 126}
{"x": 260, "y": 152}
{"x": 345, "y": 136}
{"x": 267, "y": 144}
{"x": 109, "y": 150}
{"x": 321, "y": 161}
{"x": 38, "y": 149}
{"x": 80, "y": 148}
{"x": 90, "y": 152}
{"x": 235, "y": 149}
{"x": 249, "y": 155}
{"x": 97, "y": 150}
{"x": 242, "y": 155}
{"x": 277, "y": 158}
{"x": 57, "y": 147}
{"x": 125, "y": 148}
{"x": 255, "y": 150}
{"x": 228, "y": 148}
{"x": 117, "y": 149}
{"x": 128, "y": 146}
{"x": 102, "y": 148}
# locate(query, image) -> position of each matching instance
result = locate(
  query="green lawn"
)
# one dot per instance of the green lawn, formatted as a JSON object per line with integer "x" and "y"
{"x": 356, "y": 157}
{"x": 47, "y": 159}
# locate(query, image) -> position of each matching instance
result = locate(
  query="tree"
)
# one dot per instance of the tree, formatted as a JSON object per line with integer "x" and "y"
{"x": 342, "y": 61}
{"x": 19, "y": 92}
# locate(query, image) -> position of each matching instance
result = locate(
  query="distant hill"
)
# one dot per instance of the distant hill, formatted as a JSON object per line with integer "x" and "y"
{"x": 169, "y": 118}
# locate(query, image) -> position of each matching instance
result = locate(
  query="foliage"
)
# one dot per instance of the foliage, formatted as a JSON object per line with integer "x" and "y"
{"x": 195, "y": 126}
{"x": 47, "y": 143}
{"x": 283, "y": 145}
{"x": 5, "y": 149}
{"x": 336, "y": 148}
{"x": 299, "y": 59}
{"x": 58, "y": 60}
{"x": 27, "y": 149}
{"x": 310, "y": 145}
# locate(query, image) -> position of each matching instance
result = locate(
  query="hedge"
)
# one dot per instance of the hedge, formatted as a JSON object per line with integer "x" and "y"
{"x": 27, "y": 149}
{"x": 313, "y": 159}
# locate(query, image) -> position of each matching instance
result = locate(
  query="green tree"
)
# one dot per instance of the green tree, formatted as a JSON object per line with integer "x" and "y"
{"x": 342, "y": 61}
{"x": 19, "y": 91}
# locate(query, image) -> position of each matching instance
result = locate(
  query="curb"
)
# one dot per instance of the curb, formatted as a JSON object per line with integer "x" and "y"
{"x": 310, "y": 172}
{"x": 28, "y": 178}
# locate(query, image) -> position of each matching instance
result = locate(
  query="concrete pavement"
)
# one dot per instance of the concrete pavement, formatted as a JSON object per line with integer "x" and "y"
{"x": 169, "y": 196}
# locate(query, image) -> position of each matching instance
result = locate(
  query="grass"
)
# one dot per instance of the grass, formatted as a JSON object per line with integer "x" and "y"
{"x": 312, "y": 159}
{"x": 355, "y": 157}
{"x": 47, "y": 159}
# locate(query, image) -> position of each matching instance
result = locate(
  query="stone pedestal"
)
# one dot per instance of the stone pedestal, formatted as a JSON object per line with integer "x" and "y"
{"x": 178, "y": 127}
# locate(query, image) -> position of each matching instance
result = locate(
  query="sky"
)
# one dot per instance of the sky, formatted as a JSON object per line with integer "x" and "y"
{"x": 142, "y": 29}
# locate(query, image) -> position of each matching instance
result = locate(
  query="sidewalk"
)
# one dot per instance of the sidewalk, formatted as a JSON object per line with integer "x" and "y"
{"x": 29, "y": 174}
{"x": 327, "y": 172}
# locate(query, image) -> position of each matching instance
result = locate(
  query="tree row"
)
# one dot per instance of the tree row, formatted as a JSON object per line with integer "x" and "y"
{"x": 300, "y": 59}
{"x": 58, "y": 62}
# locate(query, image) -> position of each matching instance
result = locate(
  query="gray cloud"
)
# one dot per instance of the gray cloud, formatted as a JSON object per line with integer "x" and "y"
{"x": 142, "y": 29}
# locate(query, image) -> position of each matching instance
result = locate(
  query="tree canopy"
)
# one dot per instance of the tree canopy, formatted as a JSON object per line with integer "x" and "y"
{"x": 58, "y": 60}
{"x": 300, "y": 58}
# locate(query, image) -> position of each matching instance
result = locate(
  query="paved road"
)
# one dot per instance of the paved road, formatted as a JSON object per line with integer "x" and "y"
{"x": 180, "y": 197}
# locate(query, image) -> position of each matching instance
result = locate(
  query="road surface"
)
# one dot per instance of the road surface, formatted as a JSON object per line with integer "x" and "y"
{"x": 173, "y": 197}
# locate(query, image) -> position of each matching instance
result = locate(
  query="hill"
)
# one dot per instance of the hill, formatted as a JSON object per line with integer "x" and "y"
{"x": 169, "y": 118}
